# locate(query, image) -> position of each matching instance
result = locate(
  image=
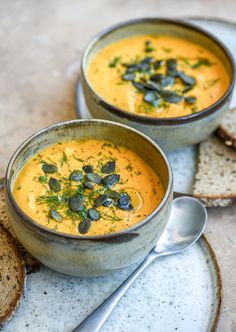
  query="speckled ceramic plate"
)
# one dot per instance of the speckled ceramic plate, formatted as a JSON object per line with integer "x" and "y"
{"x": 173, "y": 294}
{"x": 183, "y": 161}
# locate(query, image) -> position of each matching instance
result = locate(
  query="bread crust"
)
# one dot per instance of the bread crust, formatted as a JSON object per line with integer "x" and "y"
{"x": 21, "y": 275}
{"x": 223, "y": 132}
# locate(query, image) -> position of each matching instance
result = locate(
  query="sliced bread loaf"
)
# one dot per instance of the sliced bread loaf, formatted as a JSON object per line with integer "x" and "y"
{"x": 32, "y": 265}
{"x": 227, "y": 129}
{"x": 12, "y": 276}
{"x": 215, "y": 181}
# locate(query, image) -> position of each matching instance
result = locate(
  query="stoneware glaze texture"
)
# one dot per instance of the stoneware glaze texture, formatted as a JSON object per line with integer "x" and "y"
{"x": 170, "y": 133}
{"x": 84, "y": 255}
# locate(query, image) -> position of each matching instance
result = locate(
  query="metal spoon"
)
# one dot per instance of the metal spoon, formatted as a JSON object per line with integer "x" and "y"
{"x": 186, "y": 224}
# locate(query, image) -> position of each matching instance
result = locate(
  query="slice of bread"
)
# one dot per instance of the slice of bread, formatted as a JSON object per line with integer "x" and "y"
{"x": 227, "y": 129}
{"x": 32, "y": 265}
{"x": 12, "y": 276}
{"x": 215, "y": 180}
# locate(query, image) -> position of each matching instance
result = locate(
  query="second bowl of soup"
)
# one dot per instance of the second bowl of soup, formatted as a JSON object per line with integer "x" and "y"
{"x": 167, "y": 78}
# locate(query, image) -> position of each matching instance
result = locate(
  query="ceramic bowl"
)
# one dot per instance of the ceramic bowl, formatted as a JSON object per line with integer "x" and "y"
{"x": 90, "y": 255}
{"x": 170, "y": 133}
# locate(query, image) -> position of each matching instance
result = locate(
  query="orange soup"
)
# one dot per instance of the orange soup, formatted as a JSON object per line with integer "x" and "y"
{"x": 158, "y": 76}
{"x": 89, "y": 187}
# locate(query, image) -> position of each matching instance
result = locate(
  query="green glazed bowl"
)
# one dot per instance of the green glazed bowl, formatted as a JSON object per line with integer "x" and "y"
{"x": 169, "y": 133}
{"x": 90, "y": 255}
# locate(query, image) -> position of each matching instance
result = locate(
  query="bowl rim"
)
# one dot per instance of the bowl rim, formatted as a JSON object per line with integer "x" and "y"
{"x": 154, "y": 120}
{"x": 35, "y": 225}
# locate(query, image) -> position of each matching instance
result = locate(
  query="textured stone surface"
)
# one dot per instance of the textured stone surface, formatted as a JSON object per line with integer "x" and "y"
{"x": 41, "y": 45}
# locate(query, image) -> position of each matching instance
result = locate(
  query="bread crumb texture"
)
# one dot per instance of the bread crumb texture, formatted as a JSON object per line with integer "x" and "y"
{"x": 215, "y": 181}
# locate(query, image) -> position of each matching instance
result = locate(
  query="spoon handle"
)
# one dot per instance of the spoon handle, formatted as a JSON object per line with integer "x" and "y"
{"x": 97, "y": 318}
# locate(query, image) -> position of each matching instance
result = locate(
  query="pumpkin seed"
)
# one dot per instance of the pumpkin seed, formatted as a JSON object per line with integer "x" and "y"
{"x": 76, "y": 176}
{"x": 139, "y": 86}
{"x": 129, "y": 77}
{"x": 168, "y": 80}
{"x": 189, "y": 80}
{"x": 55, "y": 215}
{"x": 124, "y": 202}
{"x": 49, "y": 168}
{"x": 100, "y": 200}
{"x": 157, "y": 64}
{"x": 109, "y": 167}
{"x": 54, "y": 185}
{"x": 112, "y": 193}
{"x": 84, "y": 225}
{"x": 110, "y": 180}
{"x": 152, "y": 98}
{"x": 171, "y": 96}
{"x": 93, "y": 177}
{"x": 88, "y": 185}
{"x": 172, "y": 72}
{"x": 171, "y": 64}
{"x": 190, "y": 100}
{"x": 108, "y": 202}
{"x": 132, "y": 69}
{"x": 87, "y": 169}
{"x": 153, "y": 86}
{"x": 156, "y": 77}
{"x": 93, "y": 214}
{"x": 76, "y": 203}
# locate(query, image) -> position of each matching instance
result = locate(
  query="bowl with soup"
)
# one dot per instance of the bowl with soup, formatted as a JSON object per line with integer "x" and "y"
{"x": 169, "y": 79}
{"x": 88, "y": 197}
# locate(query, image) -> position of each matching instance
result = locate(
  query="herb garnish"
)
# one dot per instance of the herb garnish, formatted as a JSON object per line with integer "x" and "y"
{"x": 80, "y": 195}
{"x": 115, "y": 62}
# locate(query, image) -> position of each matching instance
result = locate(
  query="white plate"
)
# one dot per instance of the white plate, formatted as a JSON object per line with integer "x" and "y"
{"x": 183, "y": 161}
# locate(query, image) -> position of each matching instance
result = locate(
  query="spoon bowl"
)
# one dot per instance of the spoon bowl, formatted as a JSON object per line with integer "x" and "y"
{"x": 186, "y": 224}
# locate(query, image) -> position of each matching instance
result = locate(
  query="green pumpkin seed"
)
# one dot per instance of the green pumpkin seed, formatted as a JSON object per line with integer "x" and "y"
{"x": 189, "y": 80}
{"x": 157, "y": 64}
{"x": 54, "y": 185}
{"x": 171, "y": 64}
{"x": 88, "y": 169}
{"x": 109, "y": 167}
{"x": 168, "y": 80}
{"x": 84, "y": 225}
{"x": 108, "y": 202}
{"x": 55, "y": 215}
{"x": 156, "y": 77}
{"x": 152, "y": 98}
{"x": 110, "y": 180}
{"x": 124, "y": 202}
{"x": 132, "y": 69}
{"x": 100, "y": 200}
{"x": 190, "y": 100}
{"x": 76, "y": 176}
{"x": 93, "y": 214}
{"x": 93, "y": 177}
{"x": 171, "y": 96}
{"x": 172, "y": 72}
{"x": 88, "y": 185}
{"x": 49, "y": 168}
{"x": 112, "y": 193}
{"x": 76, "y": 203}
{"x": 129, "y": 77}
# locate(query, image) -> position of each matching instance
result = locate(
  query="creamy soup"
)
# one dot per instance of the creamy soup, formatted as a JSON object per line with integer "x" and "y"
{"x": 158, "y": 76}
{"x": 90, "y": 187}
